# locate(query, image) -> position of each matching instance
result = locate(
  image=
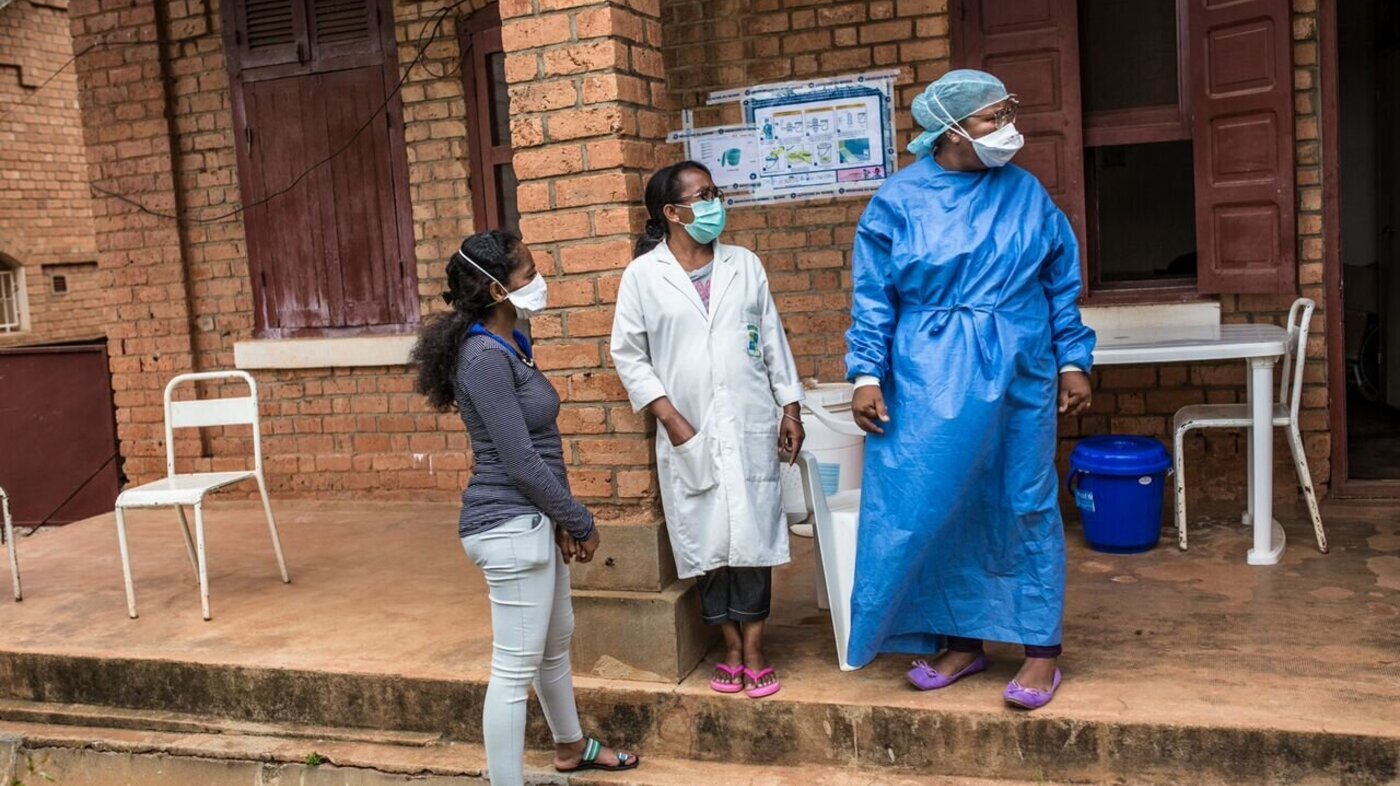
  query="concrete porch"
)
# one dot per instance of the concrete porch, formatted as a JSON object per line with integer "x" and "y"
{"x": 1180, "y": 667}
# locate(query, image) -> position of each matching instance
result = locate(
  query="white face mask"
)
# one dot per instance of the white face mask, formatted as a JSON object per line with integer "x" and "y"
{"x": 532, "y": 299}
{"x": 997, "y": 148}
{"x": 529, "y": 301}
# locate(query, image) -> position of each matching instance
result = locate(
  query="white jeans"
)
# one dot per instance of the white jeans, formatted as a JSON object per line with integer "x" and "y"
{"x": 532, "y": 621}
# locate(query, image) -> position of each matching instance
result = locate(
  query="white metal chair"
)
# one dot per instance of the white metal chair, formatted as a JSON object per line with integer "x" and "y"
{"x": 836, "y": 521}
{"x": 178, "y": 491}
{"x": 1290, "y": 396}
{"x": 9, "y": 536}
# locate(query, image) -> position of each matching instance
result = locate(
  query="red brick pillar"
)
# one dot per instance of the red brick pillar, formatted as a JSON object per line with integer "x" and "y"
{"x": 122, "y": 90}
{"x": 588, "y": 102}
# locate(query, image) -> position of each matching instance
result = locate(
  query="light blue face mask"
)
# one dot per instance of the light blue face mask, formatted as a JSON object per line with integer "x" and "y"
{"x": 708, "y": 222}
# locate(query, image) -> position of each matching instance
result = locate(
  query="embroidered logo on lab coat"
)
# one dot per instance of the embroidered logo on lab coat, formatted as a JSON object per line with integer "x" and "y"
{"x": 755, "y": 344}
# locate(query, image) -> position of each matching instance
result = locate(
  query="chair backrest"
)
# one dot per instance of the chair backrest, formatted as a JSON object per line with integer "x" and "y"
{"x": 1290, "y": 385}
{"x": 200, "y": 413}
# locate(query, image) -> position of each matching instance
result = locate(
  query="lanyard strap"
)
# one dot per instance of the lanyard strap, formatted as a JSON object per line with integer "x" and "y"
{"x": 525, "y": 353}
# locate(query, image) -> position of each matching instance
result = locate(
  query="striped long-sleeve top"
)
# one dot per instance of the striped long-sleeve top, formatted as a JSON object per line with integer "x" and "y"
{"x": 509, "y": 410}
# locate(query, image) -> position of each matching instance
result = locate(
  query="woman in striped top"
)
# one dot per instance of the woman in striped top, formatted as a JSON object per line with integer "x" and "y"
{"x": 520, "y": 523}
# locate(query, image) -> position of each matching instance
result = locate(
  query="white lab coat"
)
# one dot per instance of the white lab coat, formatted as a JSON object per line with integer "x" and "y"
{"x": 729, "y": 371}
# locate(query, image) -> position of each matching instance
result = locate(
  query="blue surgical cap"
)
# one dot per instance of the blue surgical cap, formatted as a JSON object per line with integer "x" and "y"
{"x": 953, "y": 97}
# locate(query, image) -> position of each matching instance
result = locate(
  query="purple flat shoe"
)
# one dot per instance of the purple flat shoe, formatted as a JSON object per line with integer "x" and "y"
{"x": 924, "y": 677}
{"x": 1030, "y": 698}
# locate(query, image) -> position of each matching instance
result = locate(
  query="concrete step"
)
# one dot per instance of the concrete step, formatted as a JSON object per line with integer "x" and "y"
{"x": 879, "y": 734}
{"x": 94, "y": 756}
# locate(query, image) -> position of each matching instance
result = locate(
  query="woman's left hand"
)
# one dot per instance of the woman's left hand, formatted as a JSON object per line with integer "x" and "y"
{"x": 791, "y": 435}
{"x": 1075, "y": 393}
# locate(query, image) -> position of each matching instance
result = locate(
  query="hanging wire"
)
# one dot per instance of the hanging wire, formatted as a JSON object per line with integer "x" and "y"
{"x": 434, "y": 24}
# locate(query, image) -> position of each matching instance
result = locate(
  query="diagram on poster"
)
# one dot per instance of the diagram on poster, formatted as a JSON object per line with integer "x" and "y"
{"x": 801, "y": 140}
{"x": 730, "y": 152}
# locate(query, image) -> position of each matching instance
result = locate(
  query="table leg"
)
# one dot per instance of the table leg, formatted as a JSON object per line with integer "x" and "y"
{"x": 1268, "y": 538}
{"x": 1248, "y": 517}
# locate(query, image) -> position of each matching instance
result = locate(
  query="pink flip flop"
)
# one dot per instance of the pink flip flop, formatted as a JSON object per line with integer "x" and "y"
{"x": 766, "y": 690}
{"x": 728, "y": 687}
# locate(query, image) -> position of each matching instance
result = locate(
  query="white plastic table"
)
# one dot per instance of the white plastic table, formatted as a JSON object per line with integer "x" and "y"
{"x": 1261, "y": 346}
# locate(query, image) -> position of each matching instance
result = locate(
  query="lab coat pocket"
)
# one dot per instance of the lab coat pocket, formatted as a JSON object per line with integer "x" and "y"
{"x": 761, "y": 462}
{"x": 693, "y": 466}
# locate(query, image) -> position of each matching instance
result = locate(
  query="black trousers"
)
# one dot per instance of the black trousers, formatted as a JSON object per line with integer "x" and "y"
{"x": 960, "y": 644}
{"x": 736, "y": 595}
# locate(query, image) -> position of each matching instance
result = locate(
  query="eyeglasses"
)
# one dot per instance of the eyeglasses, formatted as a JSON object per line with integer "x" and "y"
{"x": 713, "y": 192}
{"x": 1002, "y": 117}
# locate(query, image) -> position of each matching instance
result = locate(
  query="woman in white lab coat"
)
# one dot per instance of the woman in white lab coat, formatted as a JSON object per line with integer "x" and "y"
{"x": 698, "y": 343}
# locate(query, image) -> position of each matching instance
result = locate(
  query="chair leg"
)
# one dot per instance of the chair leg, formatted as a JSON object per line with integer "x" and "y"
{"x": 203, "y": 558}
{"x": 1300, "y": 462}
{"x": 189, "y": 543}
{"x": 126, "y": 564}
{"x": 11, "y": 548}
{"x": 1248, "y": 518}
{"x": 272, "y": 527}
{"x": 1179, "y": 471}
{"x": 823, "y": 599}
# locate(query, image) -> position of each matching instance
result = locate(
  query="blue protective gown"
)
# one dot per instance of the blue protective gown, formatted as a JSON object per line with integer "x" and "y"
{"x": 964, "y": 307}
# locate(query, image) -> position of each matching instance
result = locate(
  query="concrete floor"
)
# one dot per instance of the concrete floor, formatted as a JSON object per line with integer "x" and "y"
{"x": 1194, "y": 638}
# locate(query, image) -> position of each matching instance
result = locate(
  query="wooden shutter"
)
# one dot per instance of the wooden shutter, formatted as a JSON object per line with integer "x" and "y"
{"x": 268, "y": 32}
{"x": 287, "y": 242}
{"x": 1033, "y": 46}
{"x": 1242, "y": 83}
{"x": 343, "y": 28}
{"x": 365, "y": 246}
{"x": 488, "y": 137}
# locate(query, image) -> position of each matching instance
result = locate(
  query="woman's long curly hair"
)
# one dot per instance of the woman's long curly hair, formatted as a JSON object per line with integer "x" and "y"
{"x": 469, "y": 293}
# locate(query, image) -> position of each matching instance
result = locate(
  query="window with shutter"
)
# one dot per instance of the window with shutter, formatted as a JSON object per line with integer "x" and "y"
{"x": 1163, "y": 128}
{"x": 488, "y": 121}
{"x": 324, "y": 173}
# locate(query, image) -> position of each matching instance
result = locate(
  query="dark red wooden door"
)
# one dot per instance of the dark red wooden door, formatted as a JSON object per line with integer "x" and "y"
{"x": 1242, "y": 87}
{"x": 1034, "y": 48}
{"x": 58, "y": 433}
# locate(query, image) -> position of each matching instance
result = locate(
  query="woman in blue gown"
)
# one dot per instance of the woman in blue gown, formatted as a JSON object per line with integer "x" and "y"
{"x": 965, "y": 345}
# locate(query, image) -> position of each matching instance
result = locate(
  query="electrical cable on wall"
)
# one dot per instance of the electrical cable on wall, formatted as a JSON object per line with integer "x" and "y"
{"x": 424, "y": 38}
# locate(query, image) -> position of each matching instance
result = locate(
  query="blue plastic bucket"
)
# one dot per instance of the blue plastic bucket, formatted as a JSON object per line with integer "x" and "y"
{"x": 1118, "y": 483}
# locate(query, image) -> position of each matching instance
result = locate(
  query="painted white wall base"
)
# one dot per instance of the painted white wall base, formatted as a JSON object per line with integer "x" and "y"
{"x": 354, "y": 352}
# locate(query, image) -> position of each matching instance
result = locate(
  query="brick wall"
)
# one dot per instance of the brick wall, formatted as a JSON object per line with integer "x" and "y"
{"x": 593, "y": 89}
{"x": 587, "y": 105}
{"x": 183, "y": 297}
{"x": 332, "y": 431}
{"x": 46, "y": 224}
{"x": 719, "y": 44}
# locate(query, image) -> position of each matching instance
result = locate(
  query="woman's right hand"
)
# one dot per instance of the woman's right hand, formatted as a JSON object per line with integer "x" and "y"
{"x": 678, "y": 429}
{"x": 567, "y": 545}
{"x": 585, "y": 548}
{"x": 868, "y": 409}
